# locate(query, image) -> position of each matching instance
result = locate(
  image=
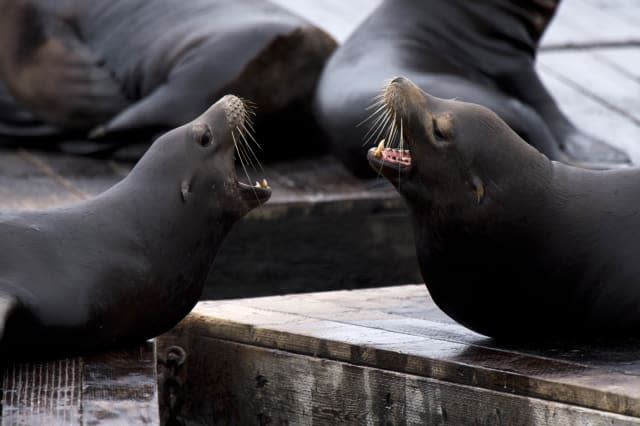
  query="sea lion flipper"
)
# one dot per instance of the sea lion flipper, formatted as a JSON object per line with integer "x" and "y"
{"x": 152, "y": 111}
{"x": 53, "y": 72}
{"x": 16, "y": 122}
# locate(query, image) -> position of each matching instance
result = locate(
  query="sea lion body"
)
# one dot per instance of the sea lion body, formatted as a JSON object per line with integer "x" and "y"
{"x": 480, "y": 52}
{"x": 511, "y": 244}
{"x": 130, "y": 263}
{"x": 113, "y": 66}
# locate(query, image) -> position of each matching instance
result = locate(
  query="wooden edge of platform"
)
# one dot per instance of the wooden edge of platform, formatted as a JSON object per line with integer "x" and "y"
{"x": 238, "y": 383}
{"x": 327, "y": 331}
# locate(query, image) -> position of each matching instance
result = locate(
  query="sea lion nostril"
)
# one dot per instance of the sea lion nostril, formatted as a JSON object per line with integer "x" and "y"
{"x": 398, "y": 80}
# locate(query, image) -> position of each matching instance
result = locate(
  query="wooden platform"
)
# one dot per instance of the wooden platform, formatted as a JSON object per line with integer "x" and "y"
{"x": 387, "y": 356}
{"x": 115, "y": 388}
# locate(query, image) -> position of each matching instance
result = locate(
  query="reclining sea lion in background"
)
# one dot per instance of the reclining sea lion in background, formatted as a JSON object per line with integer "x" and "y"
{"x": 511, "y": 244}
{"x": 113, "y": 66}
{"x": 130, "y": 263}
{"x": 476, "y": 51}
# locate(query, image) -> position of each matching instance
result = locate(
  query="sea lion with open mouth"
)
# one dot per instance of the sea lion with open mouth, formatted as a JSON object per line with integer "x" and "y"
{"x": 476, "y": 51}
{"x": 130, "y": 263}
{"x": 511, "y": 244}
{"x": 114, "y": 68}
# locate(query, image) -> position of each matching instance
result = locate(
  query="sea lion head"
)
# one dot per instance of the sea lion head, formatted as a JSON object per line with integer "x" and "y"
{"x": 444, "y": 151}
{"x": 198, "y": 159}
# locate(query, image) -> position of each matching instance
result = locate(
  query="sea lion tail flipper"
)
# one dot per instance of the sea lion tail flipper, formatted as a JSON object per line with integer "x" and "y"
{"x": 149, "y": 112}
{"x": 55, "y": 74}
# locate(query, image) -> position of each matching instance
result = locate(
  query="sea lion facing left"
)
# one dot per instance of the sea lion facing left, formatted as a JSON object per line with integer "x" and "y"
{"x": 130, "y": 263}
{"x": 511, "y": 244}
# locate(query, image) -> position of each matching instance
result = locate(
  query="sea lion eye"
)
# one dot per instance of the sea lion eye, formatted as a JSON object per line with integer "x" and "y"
{"x": 203, "y": 135}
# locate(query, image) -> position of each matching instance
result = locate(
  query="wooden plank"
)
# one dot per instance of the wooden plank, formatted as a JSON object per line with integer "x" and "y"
{"x": 625, "y": 60}
{"x": 87, "y": 176}
{"x": 587, "y": 110}
{"x": 587, "y": 22}
{"x": 26, "y": 184}
{"x": 387, "y": 329}
{"x": 591, "y": 75}
{"x": 121, "y": 387}
{"x": 118, "y": 387}
{"x": 42, "y": 393}
{"x": 250, "y": 385}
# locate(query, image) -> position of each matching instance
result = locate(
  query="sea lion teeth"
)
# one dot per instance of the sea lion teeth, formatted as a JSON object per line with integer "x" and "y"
{"x": 379, "y": 149}
{"x": 257, "y": 185}
{"x": 265, "y": 184}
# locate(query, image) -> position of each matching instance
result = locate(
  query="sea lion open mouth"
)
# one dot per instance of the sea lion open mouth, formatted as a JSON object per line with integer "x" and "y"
{"x": 238, "y": 113}
{"x": 383, "y": 159}
{"x": 255, "y": 195}
{"x": 389, "y": 120}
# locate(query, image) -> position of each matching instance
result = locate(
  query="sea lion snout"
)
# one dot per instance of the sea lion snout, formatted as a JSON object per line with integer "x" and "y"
{"x": 235, "y": 111}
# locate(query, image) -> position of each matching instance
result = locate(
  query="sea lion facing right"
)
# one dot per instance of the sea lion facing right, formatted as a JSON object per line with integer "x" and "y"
{"x": 476, "y": 51}
{"x": 511, "y": 244}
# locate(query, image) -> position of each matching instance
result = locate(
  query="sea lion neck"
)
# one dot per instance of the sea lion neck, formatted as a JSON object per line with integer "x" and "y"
{"x": 482, "y": 36}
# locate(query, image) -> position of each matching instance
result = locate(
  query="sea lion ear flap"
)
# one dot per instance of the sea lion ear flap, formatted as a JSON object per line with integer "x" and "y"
{"x": 478, "y": 187}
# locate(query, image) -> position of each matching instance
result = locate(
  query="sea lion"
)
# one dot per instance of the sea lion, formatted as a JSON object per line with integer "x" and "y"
{"x": 113, "y": 66}
{"x": 511, "y": 244}
{"x": 476, "y": 51}
{"x": 130, "y": 263}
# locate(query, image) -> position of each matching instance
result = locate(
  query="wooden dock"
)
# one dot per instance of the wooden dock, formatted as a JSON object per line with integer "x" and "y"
{"x": 352, "y": 357}
{"x": 387, "y": 356}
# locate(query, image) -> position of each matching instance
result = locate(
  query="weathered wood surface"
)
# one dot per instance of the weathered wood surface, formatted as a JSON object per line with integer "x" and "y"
{"x": 115, "y": 388}
{"x": 395, "y": 334}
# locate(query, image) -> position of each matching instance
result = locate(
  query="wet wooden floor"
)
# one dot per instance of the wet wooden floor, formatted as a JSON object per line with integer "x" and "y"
{"x": 388, "y": 356}
{"x": 114, "y": 388}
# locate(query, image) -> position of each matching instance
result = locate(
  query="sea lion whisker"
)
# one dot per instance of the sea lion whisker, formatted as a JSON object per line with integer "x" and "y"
{"x": 379, "y": 129}
{"x": 376, "y": 107}
{"x": 372, "y": 115}
{"x": 249, "y": 132}
{"x": 246, "y": 157}
{"x": 384, "y": 127}
{"x": 375, "y": 104}
{"x": 401, "y": 135}
{"x": 243, "y": 166}
{"x": 373, "y": 128}
{"x": 249, "y": 125}
{"x": 251, "y": 151}
{"x": 241, "y": 154}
